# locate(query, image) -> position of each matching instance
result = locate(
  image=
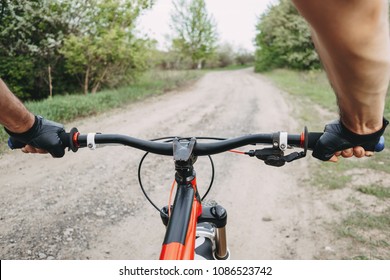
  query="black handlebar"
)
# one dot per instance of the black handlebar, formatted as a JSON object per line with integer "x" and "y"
{"x": 75, "y": 140}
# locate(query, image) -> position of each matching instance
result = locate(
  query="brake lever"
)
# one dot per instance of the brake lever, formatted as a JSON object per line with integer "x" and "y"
{"x": 275, "y": 156}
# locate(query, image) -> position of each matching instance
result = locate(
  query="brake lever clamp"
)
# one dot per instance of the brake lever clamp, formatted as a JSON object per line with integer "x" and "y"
{"x": 279, "y": 140}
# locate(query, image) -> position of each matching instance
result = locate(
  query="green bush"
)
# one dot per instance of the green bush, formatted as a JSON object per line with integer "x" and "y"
{"x": 283, "y": 40}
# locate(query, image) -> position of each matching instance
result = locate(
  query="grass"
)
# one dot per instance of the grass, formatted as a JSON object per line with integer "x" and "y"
{"x": 67, "y": 108}
{"x": 309, "y": 84}
{"x": 232, "y": 67}
{"x": 368, "y": 232}
{"x": 376, "y": 190}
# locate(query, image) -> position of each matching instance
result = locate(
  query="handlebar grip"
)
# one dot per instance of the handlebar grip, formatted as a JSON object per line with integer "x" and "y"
{"x": 65, "y": 139}
{"x": 312, "y": 138}
{"x": 14, "y": 144}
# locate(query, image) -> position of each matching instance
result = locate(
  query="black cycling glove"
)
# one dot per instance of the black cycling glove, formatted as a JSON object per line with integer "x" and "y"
{"x": 44, "y": 134}
{"x": 337, "y": 137}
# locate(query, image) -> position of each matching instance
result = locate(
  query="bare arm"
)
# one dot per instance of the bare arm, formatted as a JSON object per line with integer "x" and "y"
{"x": 352, "y": 39}
{"x": 13, "y": 114}
{"x": 36, "y": 133}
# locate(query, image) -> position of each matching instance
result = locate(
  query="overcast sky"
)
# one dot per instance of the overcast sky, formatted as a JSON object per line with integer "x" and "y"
{"x": 236, "y": 20}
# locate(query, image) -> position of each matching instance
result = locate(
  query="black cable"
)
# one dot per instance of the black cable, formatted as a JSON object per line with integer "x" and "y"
{"x": 142, "y": 187}
{"x": 212, "y": 179}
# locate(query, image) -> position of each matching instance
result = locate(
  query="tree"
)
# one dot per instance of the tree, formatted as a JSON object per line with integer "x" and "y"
{"x": 46, "y": 44}
{"x": 244, "y": 57}
{"x": 225, "y": 55}
{"x": 195, "y": 31}
{"x": 106, "y": 50}
{"x": 30, "y": 37}
{"x": 284, "y": 40}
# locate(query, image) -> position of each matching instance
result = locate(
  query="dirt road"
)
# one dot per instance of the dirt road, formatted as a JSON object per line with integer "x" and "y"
{"x": 88, "y": 205}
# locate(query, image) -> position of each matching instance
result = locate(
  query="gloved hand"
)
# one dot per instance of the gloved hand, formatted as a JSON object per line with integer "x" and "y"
{"x": 337, "y": 138}
{"x": 44, "y": 134}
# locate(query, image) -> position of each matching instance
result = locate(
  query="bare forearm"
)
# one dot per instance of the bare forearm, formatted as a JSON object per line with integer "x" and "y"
{"x": 13, "y": 114}
{"x": 352, "y": 39}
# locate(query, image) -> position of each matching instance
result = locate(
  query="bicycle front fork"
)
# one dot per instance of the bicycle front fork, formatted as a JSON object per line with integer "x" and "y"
{"x": 217, "y": 216}
{"x": 211, "y": 225}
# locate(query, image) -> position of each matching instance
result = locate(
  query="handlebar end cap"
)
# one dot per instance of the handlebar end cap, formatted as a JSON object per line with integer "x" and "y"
{"x": 380, "y": 145}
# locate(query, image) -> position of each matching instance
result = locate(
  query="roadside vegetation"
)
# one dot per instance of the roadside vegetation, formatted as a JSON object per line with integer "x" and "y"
{"x": 53, "y": 48}
{"x": 70, "y": 59}
{"x": 66, "y": 108}
{"x": 283, "y": 40}
{"x": 364, "y": 215}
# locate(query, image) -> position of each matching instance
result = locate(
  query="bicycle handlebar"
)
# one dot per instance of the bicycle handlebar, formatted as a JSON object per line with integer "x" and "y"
{"x": 75, "y": 140}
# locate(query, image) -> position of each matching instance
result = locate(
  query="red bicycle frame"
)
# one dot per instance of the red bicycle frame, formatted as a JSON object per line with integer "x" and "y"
{"x": 179, "y": 241}
{"x": 187, "y": 212}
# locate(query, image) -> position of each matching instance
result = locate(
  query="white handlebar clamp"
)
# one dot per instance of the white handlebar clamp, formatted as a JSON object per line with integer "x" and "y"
{"x": 91, "y": 141}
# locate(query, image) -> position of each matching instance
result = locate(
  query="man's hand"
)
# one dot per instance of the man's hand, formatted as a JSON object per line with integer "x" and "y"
{"x": 337, "y": 141}
{"x": 42, "y": 137}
